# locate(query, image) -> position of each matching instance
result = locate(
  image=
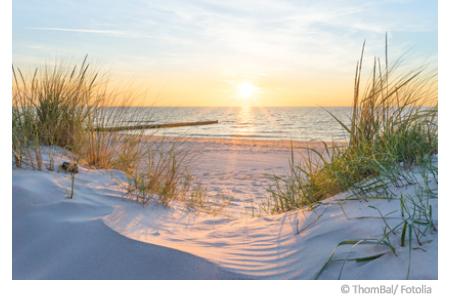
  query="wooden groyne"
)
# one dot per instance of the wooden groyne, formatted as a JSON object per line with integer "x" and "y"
{"x": 155, "y": 126}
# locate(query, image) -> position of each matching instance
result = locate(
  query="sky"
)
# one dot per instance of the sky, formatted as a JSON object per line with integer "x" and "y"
{"x": 225, "y": 53}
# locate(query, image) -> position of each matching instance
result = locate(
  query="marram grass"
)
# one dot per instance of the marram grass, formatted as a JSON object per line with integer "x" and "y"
{"x": 393, "y": 126}
{"x": 61, "y": 106}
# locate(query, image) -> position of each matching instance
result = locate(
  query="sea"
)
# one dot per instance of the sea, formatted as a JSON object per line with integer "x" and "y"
{"x": 265, "y": 123}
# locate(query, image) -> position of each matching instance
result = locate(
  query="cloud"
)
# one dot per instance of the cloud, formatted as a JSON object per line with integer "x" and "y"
{"x": 82, "y": 30}
{"x": 251, "y": 35}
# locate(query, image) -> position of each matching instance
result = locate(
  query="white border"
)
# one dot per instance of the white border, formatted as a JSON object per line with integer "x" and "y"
{"x": 5, "y": 138}
{"x": 202, "y": 289}
{"x": 444, "y": 140}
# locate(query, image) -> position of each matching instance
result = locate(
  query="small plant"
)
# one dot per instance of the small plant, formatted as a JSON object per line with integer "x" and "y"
{"x": 196, "y": 197}
{"x": 161, "y": 175}
{"x": 71, "y": 168}
{"x": 72, "y": 185}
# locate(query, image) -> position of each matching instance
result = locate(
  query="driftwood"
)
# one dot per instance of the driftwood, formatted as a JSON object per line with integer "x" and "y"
{"x": 154, "y": 126}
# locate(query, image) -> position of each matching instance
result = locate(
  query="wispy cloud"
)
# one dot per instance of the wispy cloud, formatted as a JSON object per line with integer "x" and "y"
{"x": 82, "y": 30}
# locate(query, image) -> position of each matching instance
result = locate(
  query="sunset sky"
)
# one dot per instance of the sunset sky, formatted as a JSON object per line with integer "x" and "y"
{"x": 225, "y": 53}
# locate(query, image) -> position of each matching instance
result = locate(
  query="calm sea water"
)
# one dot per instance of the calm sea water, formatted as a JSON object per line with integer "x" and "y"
{"x": 285, "y": 123}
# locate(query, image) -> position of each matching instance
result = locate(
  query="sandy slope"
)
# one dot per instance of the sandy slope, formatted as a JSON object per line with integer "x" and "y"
{"x": 57, "y": 238}
{"x": 99, "y": 235}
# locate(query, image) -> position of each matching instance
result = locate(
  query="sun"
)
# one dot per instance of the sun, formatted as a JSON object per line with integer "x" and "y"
{"x": 246, "y": 90}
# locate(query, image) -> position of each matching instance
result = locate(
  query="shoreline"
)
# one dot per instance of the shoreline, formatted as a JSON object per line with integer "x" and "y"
{"x": 282, "y": 143}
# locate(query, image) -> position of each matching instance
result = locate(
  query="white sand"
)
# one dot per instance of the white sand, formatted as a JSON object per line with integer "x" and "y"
{"x": 58, "y": 238}
{"x": 99, "y": 235}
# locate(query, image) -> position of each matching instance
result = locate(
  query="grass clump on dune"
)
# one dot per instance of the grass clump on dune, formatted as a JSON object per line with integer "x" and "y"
{"x": 52, "y": 108}
{"x": 390, "y": 155}
{"x": 57, "y": 101}
{"x": 64, "y": 107}
{"x": 393, "y": 125}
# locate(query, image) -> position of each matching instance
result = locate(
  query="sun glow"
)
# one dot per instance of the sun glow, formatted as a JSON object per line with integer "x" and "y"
{"x": 246, "y": 91}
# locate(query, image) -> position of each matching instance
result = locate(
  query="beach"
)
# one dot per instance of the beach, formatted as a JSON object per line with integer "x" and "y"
{"x": 239, "y": 171}
{"x": 100, "y": 234}
{"x": 221, "y": 149}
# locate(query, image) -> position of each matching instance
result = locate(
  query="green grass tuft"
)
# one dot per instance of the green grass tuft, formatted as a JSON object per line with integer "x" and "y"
{"x": 393, "y": 126}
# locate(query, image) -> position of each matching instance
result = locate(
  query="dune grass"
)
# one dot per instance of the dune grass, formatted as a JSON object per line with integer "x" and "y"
{"x": 58, "y": 106}
{"x": 393, "y": 126}
{"x": 161, "y": 175}
{"x": 412, "y": 230}
{"x": 392, "y": 136}
{"x": 52, "y": 108}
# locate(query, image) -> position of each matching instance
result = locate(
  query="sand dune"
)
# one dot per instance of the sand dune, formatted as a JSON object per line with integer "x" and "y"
{"x": 99, "y": 235}
{"x": 56, "y": 238}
